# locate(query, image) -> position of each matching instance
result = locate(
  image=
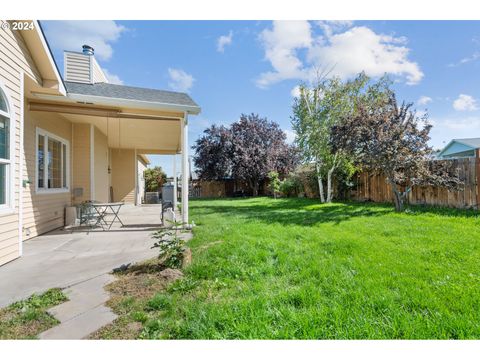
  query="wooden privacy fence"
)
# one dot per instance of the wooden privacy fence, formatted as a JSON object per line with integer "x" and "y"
{"x": 375, "y": 188}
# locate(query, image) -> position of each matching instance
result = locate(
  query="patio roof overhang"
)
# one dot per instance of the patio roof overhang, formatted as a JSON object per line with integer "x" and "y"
{"x": 147, "y": 131}
{"x": 148, "y": 127}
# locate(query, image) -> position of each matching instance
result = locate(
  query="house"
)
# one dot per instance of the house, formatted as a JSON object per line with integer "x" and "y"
{"x": 67, "y": 140}
{"x": 460, "y": 148}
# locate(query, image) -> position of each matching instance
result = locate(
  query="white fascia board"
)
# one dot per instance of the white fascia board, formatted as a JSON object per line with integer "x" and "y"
{"x": 134, "y": 104}
{"x": 61, "y": 87}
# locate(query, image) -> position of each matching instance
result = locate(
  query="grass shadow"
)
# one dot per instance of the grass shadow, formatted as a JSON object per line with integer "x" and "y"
{"x": 308, "y": 212}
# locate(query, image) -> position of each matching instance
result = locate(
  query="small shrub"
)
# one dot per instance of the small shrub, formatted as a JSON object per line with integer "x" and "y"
{"x": 274, "y": 183}
{"x": 293, "y": 185}
{"x": 171, "y": 246}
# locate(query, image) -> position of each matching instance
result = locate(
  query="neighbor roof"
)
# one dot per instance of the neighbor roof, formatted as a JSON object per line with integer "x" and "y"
{"x": 472, "y": 142}
{"x": 123, "y": 92}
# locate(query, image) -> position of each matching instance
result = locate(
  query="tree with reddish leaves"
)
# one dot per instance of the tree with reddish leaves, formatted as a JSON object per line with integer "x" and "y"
{"x": 258, "y": 147}
{"x": 248, "y": 150}
{"x": 385, "y": 137}
{"x": 213, "y": 151}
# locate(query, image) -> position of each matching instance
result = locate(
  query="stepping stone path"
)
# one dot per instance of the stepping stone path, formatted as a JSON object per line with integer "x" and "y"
{"x": 84, "y": 312}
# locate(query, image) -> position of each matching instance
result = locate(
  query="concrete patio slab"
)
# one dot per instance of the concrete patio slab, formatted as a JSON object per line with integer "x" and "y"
{"x": 64, "y": 258}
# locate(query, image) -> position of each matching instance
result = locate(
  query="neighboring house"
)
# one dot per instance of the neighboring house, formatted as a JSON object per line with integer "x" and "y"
{"x": 64, "y": 141}
{"x": 142, "y": 163}
{"x": 460, "y": 148}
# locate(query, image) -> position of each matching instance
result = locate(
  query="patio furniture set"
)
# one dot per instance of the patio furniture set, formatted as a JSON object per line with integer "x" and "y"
{"x": 95, "y": 213}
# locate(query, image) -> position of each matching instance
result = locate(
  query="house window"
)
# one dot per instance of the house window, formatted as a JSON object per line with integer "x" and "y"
{"x": 5, "y": 151}
{"x": 52, "y": 162}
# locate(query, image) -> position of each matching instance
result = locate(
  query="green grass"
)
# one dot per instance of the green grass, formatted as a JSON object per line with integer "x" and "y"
{"x": 293, "y": 268}
{"x": 27, "y": 318}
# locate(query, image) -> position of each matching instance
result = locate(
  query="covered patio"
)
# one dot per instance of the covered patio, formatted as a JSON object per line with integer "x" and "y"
{"x": 111, "y": 127}
{"x": 63, "y": 258}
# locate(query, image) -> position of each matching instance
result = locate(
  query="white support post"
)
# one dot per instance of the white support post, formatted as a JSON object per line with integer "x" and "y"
{"x": 135, "y": 165}
{"x": 175, "y": 193}
{"x": 185, "y": 175}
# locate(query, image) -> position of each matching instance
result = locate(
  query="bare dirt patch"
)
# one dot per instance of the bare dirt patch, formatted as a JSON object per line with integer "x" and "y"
{"x": 134, "y": 287}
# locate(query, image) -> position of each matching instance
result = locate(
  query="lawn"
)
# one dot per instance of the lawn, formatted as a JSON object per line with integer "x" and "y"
{"x": 27, "y": 318}
{"x": 296, "y": 269}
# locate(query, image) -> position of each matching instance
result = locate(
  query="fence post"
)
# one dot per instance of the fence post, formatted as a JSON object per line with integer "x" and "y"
{"x": 477, "y": 175}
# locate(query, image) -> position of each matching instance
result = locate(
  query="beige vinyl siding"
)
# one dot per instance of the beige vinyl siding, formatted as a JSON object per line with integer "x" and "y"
{"x": 15, "y": 58}
{"x": 123, "y": 175}
{"x": 77, "y": 67}
{"x": 42, "y": 211}
{"x": 98, "y": 75}
{"x": 81, "y": 161}
{"x": 100, "y": 166}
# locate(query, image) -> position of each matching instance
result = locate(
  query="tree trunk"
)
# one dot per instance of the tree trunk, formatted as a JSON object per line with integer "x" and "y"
{"x": 329, "y": 185}
{"x": 398, "y": 197}
{"x": 320, "y": 184}
{"x": 320, "y": 189}
{"x": 255, "y": 188}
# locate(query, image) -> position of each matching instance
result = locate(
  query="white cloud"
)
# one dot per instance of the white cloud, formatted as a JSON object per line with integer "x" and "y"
{"x": 361, "y": 49}
{"x": 180, "y": 80}
{"x": 72, "y": 34}
{"x": 424, "y": 100}
{"x": 344, "y": 52}
{"x": 465, "y": 103}
{"x": 330, "y": 27}
{"x": 475, "y": 56}
{"x": 223, "y": 41}
{"x": 290, "y": 136}
{"x": 281, "y": 44}
{"x": 295, "y": 92}
{"x": 112, "y": 78}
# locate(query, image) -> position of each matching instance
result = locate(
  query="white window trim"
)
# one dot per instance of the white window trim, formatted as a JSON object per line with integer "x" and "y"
{"x": 9, "y": 207}
{"x": 46, "y": 135}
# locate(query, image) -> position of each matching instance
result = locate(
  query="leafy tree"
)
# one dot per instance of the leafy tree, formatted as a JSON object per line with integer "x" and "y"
{"x": 247, "y": 150}
{"x": 315, "y": 112}
{"x": 274, "y": 183}
{"x": 258, "y": 146}
{"x": 154, "y": 178}
{"x": 386, "y": 138}
{"x": 213, "y": 152}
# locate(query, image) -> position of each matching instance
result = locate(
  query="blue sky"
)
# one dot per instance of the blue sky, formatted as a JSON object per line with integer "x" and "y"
{"x": 234, "y": 67}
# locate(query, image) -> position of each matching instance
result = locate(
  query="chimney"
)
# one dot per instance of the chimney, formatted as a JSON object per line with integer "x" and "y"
{"x": 88, "y": 50}
{"x": 81, "y": 67}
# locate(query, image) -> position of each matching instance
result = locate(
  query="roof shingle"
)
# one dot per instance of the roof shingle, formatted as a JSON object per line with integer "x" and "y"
{"x": 473, "y": 142}
{"x": 130, "y": 93}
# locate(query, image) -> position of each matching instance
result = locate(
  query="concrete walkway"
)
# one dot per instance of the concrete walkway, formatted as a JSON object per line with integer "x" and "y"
{"x": 84, "y": 313}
